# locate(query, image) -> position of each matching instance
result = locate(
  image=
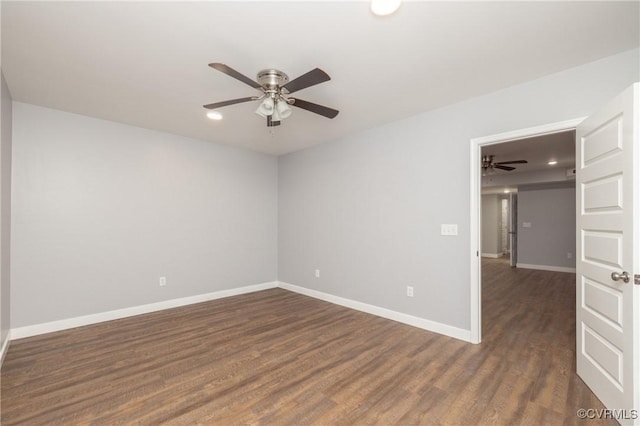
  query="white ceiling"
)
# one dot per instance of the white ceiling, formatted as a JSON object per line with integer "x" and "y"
{"x": 145, "y": 63}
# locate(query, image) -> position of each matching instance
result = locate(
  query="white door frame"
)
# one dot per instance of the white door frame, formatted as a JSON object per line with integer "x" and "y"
{"x": 476, "y": 146}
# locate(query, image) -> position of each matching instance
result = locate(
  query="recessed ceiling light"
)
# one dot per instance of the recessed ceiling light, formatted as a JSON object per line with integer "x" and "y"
{"x": 384, "y": 7}
{"x": 506, "y": 191}
{"x": 214, "y": 115}
{"x": 552, "y": 163}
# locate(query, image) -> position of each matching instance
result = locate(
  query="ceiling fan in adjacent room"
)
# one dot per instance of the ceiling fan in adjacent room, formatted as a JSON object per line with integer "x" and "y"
{"x": 489, "y": 165}
{"x": 276, "y": 88}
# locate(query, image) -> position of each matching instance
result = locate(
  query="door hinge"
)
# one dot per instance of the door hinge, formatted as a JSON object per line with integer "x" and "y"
{"x": 477, "y": 253}
{"x": 636, "y": 279}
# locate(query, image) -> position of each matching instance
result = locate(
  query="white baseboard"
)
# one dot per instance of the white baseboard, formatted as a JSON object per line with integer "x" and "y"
{"x": 422, "y": 323}
{"x": 546, "y": 267}
{"x": 5, "y": 347}
{"x": 492, "y": 255}
{"x": 49, "y": 327}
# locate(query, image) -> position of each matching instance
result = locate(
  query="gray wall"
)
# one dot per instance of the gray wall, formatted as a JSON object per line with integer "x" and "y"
{"x": 491, "y": 220}
{"x": 5, "y": 209}
{"x": 101, "y": 210}
{"x": 366, "y": 210}
{"x": 551, "y": 210}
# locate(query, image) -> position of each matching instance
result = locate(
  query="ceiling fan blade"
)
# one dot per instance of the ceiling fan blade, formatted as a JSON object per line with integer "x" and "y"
{"x": 507, "y": 168}
{"x": 235, "y": 74}
{"x": 318, "y": 109}
{"x": 229, "y": 102}
{"x": 513, "y": 162}
{"x": 313, "y": 77}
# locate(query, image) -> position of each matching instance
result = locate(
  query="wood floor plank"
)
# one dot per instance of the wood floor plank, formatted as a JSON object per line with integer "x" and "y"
{"x": 276, "y": 357}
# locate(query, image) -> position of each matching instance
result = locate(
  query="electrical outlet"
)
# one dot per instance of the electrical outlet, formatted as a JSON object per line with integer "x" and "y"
{"x": 569, "y": 255}
{"x": 409, "y": 291}
{"x": 162, "y": 281}
{"x": 317, "y": 273}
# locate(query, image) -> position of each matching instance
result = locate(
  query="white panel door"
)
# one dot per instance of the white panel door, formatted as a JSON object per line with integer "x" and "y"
{"x": 608, "y": 308}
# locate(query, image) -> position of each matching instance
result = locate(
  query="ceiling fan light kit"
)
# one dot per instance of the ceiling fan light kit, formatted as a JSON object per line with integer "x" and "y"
{"x": 283, "y": 109}
{"x": 274, "y": 110}
{"x": 276, "y": 88}
{"x": 266, "y": 108}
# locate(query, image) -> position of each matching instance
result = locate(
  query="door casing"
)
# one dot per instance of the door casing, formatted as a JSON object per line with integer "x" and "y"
{"x": 475, "y": 265}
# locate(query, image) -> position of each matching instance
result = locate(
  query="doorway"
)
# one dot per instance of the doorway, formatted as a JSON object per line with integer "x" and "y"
{"x": 477, "y": 147}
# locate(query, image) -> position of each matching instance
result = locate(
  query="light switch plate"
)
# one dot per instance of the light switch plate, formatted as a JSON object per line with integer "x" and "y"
{"x": 526, "y": 224}
{"x": 448, "y": 229}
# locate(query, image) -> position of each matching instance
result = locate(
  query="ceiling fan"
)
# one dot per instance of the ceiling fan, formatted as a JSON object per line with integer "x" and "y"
{"x": 488, "y": 164}
{"x": 276, "y": 88}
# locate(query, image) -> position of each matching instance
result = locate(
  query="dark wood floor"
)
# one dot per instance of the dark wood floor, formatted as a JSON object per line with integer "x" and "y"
{"x": 275, "y": 357}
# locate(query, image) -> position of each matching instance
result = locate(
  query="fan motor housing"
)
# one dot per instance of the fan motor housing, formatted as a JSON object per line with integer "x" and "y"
{"x": 272, "y": 79}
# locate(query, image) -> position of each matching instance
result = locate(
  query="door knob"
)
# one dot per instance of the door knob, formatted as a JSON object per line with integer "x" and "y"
{"x": 624, "y": 276}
